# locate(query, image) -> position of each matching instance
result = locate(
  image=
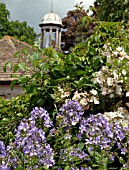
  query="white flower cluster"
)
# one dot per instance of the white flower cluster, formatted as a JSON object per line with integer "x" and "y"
{"x": 63, "y": 94}
{"x": 86, "y": 98}
{"x": 121, "y": 116}
{"x": 112, "y": 79}
{"x": 110, "y": 82}
{"x": 120, "y": 53}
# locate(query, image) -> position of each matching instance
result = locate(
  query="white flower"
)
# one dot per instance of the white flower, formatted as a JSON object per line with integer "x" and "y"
{"x": 76, "y": 96}
{"x": 110, "y": 91}
{"x": 115, "y": 75}
{"x": 115, "y": 53}
{"x": 94, "y": 92}
{"x": 122, "y": 57}
{"x": 104, "y": 91}
{"x": 118, "y": 90}
{"x": 66, "y": 94}
{"x": 124, "y": 72}
{"x": 96, "y": 101}
{"x": 105, "y": 46}
{"x": 83, "y": 102}
{"x": 127, "y": 104}
{"x": 122, "y": 53}
{"x": 108, "y": 58}
{"x": 119, "y": 49}
{"x": 110, "y": 81}
{"x": 125, "y": 123}
{"x": 120, "y": 81}
{"x": 127, "y": 56}
{"x": 60, "y": 90}
{"x": 97, "y": 80}
{"x": 127, "y": 94}
{"x": 104, "y": 68}
{"x": 111, "y": 95}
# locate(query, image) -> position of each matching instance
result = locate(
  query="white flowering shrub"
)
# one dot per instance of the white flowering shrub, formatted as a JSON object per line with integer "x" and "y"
{"x": 111, "y": 92}
{"x": 120, "y": 116}
{"x": 113, "y": 77}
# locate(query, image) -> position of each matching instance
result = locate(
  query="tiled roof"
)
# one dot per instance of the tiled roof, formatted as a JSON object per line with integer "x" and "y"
{"x": 9, "y": 46}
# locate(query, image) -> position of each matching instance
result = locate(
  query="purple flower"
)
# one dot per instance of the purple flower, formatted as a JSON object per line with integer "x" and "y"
{"x": 123, "y": 151}
{"x": 70, "y": 113}
{"x": 76, "y": 152}
{"x": 97, "y": 131}
{"x": 2, "y": 150}
{"x": 4, "y": 167}
{"x": 43, "y": 115}
{"x": 32, "y": 142}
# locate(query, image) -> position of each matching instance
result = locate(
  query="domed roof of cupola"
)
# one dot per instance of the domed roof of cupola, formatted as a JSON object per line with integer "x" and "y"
{"x": 51, "y": 18}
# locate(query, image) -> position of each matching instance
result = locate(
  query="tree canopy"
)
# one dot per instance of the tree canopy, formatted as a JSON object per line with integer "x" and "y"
{"x": 4, "y": 19}
{"x": 19, "y": 30}
{"x": 74, "y": 30}
{"x": 79, "y": 25}
{"x": 113, "y": 10}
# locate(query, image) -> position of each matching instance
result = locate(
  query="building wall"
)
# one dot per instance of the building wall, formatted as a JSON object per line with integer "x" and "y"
{"x": 7, "y": 93}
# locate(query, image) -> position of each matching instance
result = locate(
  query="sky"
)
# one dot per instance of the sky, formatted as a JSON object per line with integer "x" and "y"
{"x": 32, "y": 11}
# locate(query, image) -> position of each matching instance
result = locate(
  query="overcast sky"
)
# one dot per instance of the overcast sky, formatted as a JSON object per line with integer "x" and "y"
{"x": 32, "y": 11}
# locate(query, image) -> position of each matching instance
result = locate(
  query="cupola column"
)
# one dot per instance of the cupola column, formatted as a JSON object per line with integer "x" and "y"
{"x": 44, "y": 38}
{"x": 50, "y": 37}
{"x": 57, "y": 37}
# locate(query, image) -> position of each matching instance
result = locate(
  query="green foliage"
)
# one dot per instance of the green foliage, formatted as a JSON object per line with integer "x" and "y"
{"x": 11, "y": 112}
{"x": 20, "y": 30}
{"x": 113, "y": 34}
{"x": 4, "y": 19}
{"x": 114, "y": 10}
{"x": 51, "y": 70}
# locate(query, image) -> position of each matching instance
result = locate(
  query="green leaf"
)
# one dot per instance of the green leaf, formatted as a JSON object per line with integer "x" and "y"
{"x": 9, "y": 65}
{"x": 91, "y": 50}
{"x": 5, "y": 68}
{"x": 67, "y": 168}
{"x": 81, "y": 145}
{"x": 84, "y": 20}
{"x": 52, "y": 96}
{"x": 20, "y": 167}
{"x": 80, "y": 72}
{"x": 34, "y": 57}
{"x": 15, "y": 68}
{"x": 22, "y": 66}
{"x": 5, "y": 119}
{"x": 12, "y": 84}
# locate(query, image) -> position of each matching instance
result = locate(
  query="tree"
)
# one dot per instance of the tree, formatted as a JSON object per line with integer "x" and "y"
{"x": 22, "y": 31}
{"x": 77, "y": 27}
{"x": 19, "y": 30}
{"x": 114, "y": 10}
{"x": 4, "y": 19}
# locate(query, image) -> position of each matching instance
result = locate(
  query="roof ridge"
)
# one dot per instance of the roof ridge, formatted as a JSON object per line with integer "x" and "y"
{"x": 8, "y": 37}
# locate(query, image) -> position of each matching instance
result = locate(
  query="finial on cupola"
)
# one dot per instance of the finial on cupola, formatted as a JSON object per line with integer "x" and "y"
{"x": 51, "y": 6}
